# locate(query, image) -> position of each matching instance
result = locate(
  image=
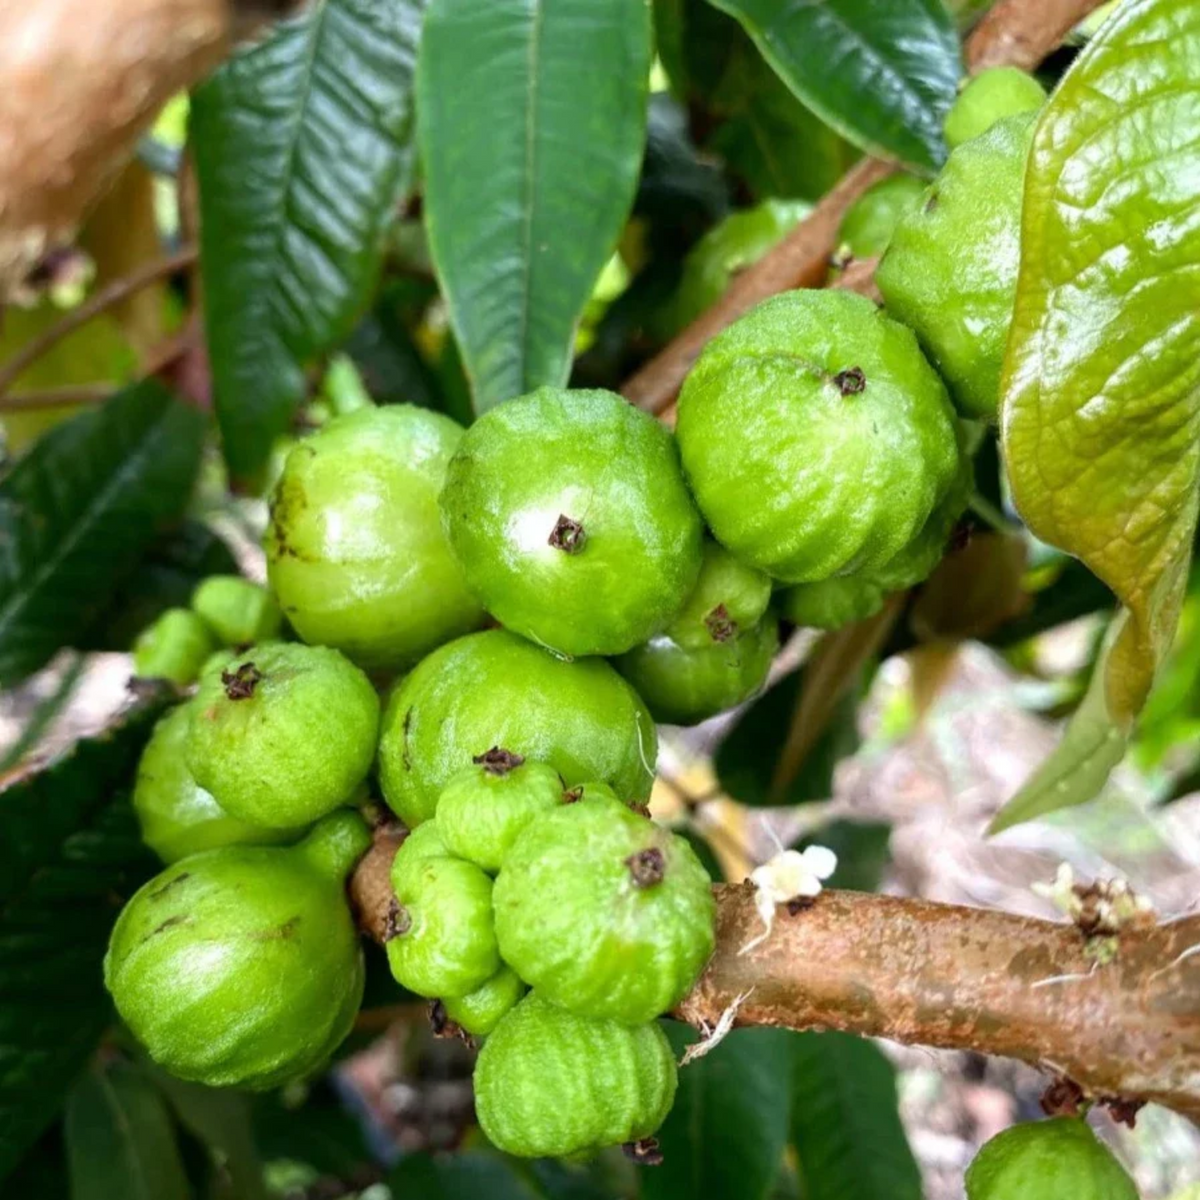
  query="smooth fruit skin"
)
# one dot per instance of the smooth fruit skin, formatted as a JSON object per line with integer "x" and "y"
{"x": 479, "y": 1012}
{"x": 242, "y": 966}
{"x": 950, "y": 273}
{"x": 355, "y": 548}
{"x": 238, "y": 611}
{"x": 682, "y": 686}
{"x": 177, "y": 816}
{"x": 816, "y": 438}
{"x": 482, "y": 809}
{"x": 604, "y": 912}
{"x": 870, "y": 221}
{"x": 989, "y": 97}
{"x": 551, "y": 1083}
{"x": 569, "y": 514}
{"x": 832, "y": 603}
{"x": 284, "y": 734}
{"x": 174, "y": 647}
{"x": 495, "y": 689}
{"x": 1057, "y": 1159}
{"x": 729, "y": 596}
{"x": 421, "y": 843}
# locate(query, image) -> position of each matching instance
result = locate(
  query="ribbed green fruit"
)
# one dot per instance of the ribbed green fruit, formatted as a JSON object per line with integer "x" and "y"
{"x": 479, "y": 1012}
{"x": 870, "y": 221}
{"x": 832, "y": 603}
{"x": 242, "y": 966}
{"x": 238, "y": 611}
{"x": 729, "y": 596}
{"x": 989, "y": 97}
{"x": 552, "y": 1083}
{"x": 495, "y": 689}
{"x": 604, "y": 912}
{"x": 174, "y": 647}
{"x": 284, "y": 734}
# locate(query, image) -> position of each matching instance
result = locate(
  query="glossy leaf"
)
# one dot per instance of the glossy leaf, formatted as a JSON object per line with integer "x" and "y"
{"x": 883, "y": 75}
{"x": 303, "y": 150}
{"x": 845, "y": 1125}
{"x": 69, "y": 852}
{"x": 532, "y": 117}
{"x": 79, "y": 511}
{"x": 725, "y": 1136}
{"x": 461, "y": 1177}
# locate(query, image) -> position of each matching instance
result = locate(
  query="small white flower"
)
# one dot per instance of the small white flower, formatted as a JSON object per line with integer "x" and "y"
{"x": 787, "y": 876}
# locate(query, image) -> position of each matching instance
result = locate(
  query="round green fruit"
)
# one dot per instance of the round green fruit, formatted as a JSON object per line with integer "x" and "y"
{"x": 950, "y": 273}
{"x": 832, "y": 603}
{"x": 989, "y": 97}
{"x": 495, "y": 689}
{"x": 569, "y": 514}
{"x": 284, "y": 734}
{"x": 440, "y": 939}
{"x": 815, "y": 436}
{"x": 604, "y": 912}
{"x": 870, "y": 221}
{"x": 1058, "y": 1159}
{"x": 682, "y": 686}
{"x": 355, "y": 547}
{"x": 729, "y": 596}
{"x": 421, "y": 843}
{"x": 175, "y": 647}
{"x": 592, "y": 790}
{"x": 479, "y": 1012}
{"x": 483, "y": 809}
{"x": 177, "y": 816}
{"x": 239, "y": 612}
{"x": 552, "y": 1083}
{"x": 242, "y": 966}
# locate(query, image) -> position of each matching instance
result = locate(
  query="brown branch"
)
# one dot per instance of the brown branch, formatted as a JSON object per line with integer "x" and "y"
{"x": 1021, "y": 32}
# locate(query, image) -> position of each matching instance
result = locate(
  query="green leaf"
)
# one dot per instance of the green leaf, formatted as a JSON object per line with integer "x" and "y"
{"x": 883, "y": 75}
{"x": 320, "y": 1132}
{"x": 78, "y": 512}
{"x": 862, "y": 849}
{"x": 303, "y": 151}
{"x": 120, "y": 1139}
{"x": 69, "y": 852}
{"x": 725, "y": 1136}
{"x": 845, "y": 1125}
{"x": 1101, "y": 383}
{"x": 461, "y": 1177}
{"x": 532, "y": 123}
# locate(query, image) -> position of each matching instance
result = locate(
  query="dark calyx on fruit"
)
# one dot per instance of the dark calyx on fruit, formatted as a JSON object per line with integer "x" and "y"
{"x": 240, "y": 684}
{"x": 647, "y": 867}
{"x": 850, "y": 382}
{"x": 497, "y": 761}
{"x": 721, "y": 625}
{"x": 567, "y": 535}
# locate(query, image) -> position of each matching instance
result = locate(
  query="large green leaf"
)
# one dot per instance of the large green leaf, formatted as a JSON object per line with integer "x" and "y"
{"x": 883, "y": 75}
{"x": 78, "y": 512}
{"x": 69, "y": 852}
{"x": 1101, "y": 384}
{"x": 121, "y": 1142}
{"x": 725, "y": 1137}
{"x": 532, "y": 121}
{"x": 845, "y": 1125}
{"x": 303, "y": 150}
{"x": 462, "y": 1177}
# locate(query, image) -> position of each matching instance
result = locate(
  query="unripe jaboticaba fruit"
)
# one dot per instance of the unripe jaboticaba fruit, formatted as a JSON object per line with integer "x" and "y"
{"x": 816, "y": 437}
{"x": 951, "y": 270}
{"x": 440, "y": 939}
{"x": 684, "y": 686}
{"x": 870, "y": 221}
{"x": 569, "y": 514}
{"x": 729, "y": 596}
{"x": 989, "y": 97}
{"x": 355, "y": 547}
{"x": 241, "y": 966}
{"x": 495, "y": 689}
{"x": 482, "y": 809}
{"x": 1058, "y": 1159}
{"x": 832, "y": 603}
{"x": 479, "y": 1012}
{"x": 178, "y": 817}
{"x": 238, "y": 611}
{"x": 174, "y": 647}
{"x": 284, "y": 734}
{"x": 551, "y": 1083}
{"x": 604, "y": 912}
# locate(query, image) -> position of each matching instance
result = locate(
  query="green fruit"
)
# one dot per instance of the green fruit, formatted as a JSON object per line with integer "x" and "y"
{"x": 177, "y": 816}
{"x": 570, "y": 517}
{"x": 355, "y": 548}
{"x": 551, "y": 1083}
{"x": 815, "y": 436}
{"x": 728, "y": 596}
{"x": 440, "y": 940}
{"x": 683, "y": 687}
{"x": 604, "y": 912}
{"x": 494, "y": 689}
{"x": 591, "y": 790}
{"x": 832, "y": 603}
{"x": 870, "y": 221}
{"x": 482, "y": 809}
{"x": 174, "y": 647}
{"x": 1058, "y": 1159}
{"x": 284, "y": 734}
{"x": 951, "y": 270}
{"x": 479, "y": 1011}
{"x": 989, "y": 97}
{"x": 239, "y": 612}
{"x": 421, "y": 843}
{"x": 241, "y": 966}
